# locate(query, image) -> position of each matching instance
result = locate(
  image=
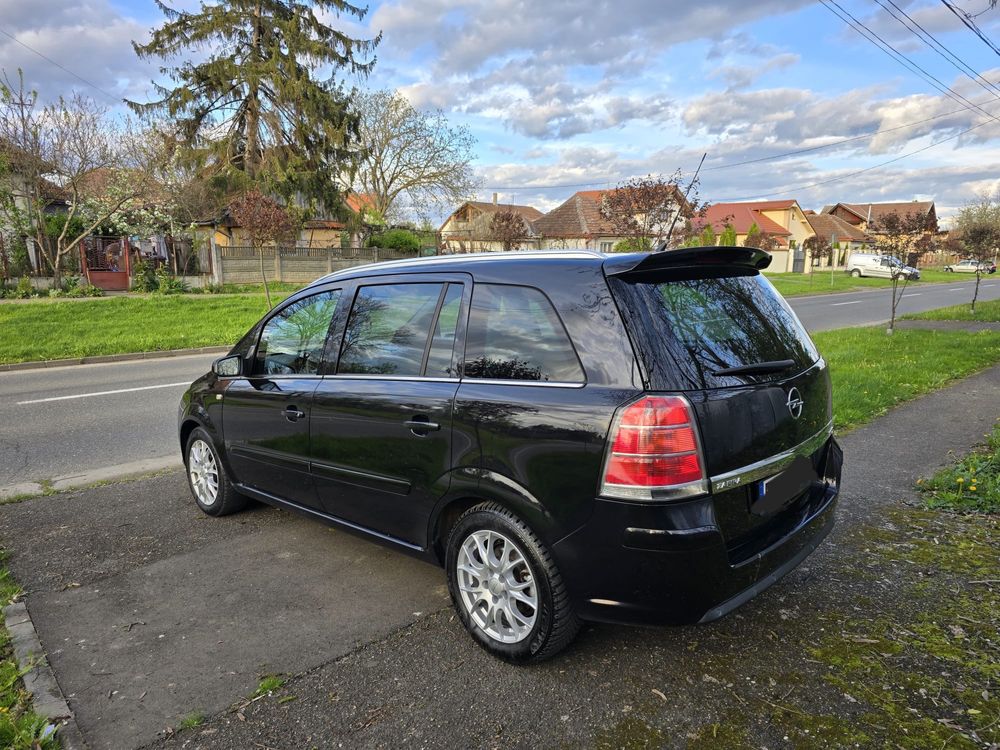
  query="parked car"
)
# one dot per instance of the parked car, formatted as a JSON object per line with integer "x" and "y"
{"x": 970, "y": 265}
{"x": 883, "y": 266}
{"x": 633, "y": 438}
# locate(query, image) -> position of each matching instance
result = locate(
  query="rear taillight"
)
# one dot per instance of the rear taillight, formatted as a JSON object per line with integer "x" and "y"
{"x": 654, "y": 451}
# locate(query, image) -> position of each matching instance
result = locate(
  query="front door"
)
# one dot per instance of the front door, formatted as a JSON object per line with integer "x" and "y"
{"x": 381, "y": 425}
{"x": 265, "y": 415}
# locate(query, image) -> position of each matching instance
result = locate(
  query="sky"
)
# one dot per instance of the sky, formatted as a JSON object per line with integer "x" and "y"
{"x": 564, "y": 96}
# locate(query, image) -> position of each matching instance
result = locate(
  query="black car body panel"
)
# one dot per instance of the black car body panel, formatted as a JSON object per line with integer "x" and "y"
{"x": 397, "y": 457}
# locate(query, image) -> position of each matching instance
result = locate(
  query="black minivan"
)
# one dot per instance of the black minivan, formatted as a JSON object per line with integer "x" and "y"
{"x": 574, "y": 436}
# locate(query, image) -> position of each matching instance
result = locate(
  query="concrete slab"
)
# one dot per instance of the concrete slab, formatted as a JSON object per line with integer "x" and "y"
{"x": 195, "y": 632}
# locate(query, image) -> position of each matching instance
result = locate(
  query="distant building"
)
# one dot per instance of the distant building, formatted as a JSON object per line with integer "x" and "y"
{"x": 783, "y": 219}
{"x": 468, "y": 227}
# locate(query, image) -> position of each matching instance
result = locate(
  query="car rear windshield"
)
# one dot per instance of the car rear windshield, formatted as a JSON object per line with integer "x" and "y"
{"x": 686, "y": 329}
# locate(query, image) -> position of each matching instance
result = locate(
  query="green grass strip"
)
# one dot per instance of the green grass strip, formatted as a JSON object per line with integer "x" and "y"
{"x": 986, "y": 312}
{"x": 972, "y": 484}
{"x": 872, "y": 372}
{"x": 32, "y": 331}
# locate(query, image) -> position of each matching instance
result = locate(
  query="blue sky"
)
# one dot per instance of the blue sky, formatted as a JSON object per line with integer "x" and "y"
{"x": 584, "y": 94}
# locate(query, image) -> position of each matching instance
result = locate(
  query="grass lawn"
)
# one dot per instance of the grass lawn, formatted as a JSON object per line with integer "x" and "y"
{"x": 819, "y": 282}
{"x": 988, "y": 312}
{"x": 872, "y": 372}
{"x": 31, "y": 331}
{"x": 972, "y": 484}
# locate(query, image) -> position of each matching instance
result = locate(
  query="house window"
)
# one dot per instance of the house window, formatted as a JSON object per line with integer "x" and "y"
{"x": 606, "y": 247}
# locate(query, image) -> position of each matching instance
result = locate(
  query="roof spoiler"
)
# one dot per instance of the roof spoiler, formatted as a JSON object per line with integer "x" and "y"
{"x": 687, "y": 258}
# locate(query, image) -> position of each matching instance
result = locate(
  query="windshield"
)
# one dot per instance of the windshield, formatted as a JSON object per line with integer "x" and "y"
{"x": 687, "y": 330}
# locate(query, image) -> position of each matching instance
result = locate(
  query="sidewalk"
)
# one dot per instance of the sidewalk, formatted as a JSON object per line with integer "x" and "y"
{"x": 150, "y": 612}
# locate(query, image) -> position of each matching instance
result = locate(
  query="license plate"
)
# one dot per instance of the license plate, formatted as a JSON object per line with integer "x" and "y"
{"x": 775, "y": 492}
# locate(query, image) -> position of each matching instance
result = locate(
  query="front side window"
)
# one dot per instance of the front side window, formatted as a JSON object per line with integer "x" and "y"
{"x": 293, "y": 341}
{"x": 515, "y": 334}
{"x": 390, "y": 328}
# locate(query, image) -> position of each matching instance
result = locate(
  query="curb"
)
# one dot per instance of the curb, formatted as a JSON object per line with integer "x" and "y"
{"x": 46, "y": 698}
{"x": 87, "y": 478}
{"x": 114, "y": 358}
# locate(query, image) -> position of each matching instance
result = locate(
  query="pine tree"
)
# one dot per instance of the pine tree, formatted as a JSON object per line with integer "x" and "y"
{"x": 254, "y": 112}
{"x": 728, "y": 236}
{"x": 708, "y": 237}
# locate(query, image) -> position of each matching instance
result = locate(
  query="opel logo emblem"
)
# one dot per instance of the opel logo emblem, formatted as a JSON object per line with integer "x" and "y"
{"x": 794, "y": 403}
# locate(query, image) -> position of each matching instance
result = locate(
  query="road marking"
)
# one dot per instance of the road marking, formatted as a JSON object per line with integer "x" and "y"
{"x": 102, "y": 393}
{"x": 988, "y": 286}
{"x": 853, "y": 302}
{"x": 913, "y": 294}
{"x": 957, "y": 289}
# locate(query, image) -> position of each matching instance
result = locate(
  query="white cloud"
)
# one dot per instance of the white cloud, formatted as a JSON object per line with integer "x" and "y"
{"x": 89, "y": 38}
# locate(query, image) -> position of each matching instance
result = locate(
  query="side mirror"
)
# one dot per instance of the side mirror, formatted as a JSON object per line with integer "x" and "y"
{"x": 228, "y": 367}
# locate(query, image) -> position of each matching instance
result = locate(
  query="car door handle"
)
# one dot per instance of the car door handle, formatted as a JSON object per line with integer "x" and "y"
{"x": 293, "y": 414}
{"x": 421, "y": 426}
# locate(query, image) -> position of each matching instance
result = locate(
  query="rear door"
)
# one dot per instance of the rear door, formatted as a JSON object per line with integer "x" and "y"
{"x": 266, "y": 414}
{"x": 694, "y": 335}
{"x": 381, "y": 423}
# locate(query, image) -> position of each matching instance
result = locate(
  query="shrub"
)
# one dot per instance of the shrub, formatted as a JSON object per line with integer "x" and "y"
{"x": 167, "y": 284}
{"x": 24, "y": 289}
{"x": 395, "y": 239}
{"x": 632, "y": 245}
{"x": 143, "y": 277}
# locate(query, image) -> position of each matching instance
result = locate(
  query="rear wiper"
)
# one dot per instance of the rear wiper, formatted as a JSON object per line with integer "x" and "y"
{"x": 761, "y": 368}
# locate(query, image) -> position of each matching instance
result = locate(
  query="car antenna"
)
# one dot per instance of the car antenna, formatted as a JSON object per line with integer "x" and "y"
{"x": 666, "y": 243}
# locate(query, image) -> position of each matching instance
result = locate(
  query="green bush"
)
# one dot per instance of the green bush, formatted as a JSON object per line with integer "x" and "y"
{"x": 20, "y": 265}
{"x": 395, "y": 239}
{"x": 24, "y": 289}
{"x": 143, "y": 277}
{"x": 632, "y": 245}
{"x": 167, "y": 284}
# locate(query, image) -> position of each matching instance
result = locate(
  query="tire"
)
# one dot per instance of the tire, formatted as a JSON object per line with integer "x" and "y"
{"x": 949, "y": 270}
{"x": 536, "y": 631}
{"x": 856, "y": 273}
{"x": 207, "y": 479}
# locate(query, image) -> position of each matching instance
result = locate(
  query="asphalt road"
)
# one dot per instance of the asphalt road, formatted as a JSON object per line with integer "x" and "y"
{"x": 63, "y": 421}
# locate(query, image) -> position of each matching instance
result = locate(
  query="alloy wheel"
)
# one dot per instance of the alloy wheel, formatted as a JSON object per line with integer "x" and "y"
{"x": 203, "y": 472}
{"x": 497, "y": 586}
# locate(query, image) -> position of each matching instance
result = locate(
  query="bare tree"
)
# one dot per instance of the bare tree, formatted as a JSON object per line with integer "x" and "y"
{"x": 54, "y": 153}
{"x": 264, "y": 221}
{"x": 979, "y": 226}
{"x": 897, "y": 235}
{"x": 410, "y": 156}
{"x": 643, "y": 211}
{"x": 507, "y": 228}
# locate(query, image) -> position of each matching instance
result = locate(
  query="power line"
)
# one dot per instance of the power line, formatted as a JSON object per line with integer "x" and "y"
{"x": 94, "y": 86}
{"x": 943, "y": 51}
{"x": 965, "y": 18}
{"x": 899, "y": 57}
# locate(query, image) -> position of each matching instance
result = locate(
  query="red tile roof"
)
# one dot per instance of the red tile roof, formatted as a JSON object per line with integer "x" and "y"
{"x": 742, "y": 216}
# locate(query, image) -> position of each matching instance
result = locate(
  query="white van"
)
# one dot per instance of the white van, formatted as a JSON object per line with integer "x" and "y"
{"x": 884, "y": 266}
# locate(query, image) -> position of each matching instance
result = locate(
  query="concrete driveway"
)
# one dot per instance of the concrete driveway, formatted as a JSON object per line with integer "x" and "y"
{"x": 150, "y": 612}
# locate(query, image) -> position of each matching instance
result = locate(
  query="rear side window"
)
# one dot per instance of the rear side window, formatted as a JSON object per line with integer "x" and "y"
{"x": 293, "y": 341}
{"x": 687, "y": 329}
{"x": 390, "y": 329}
{"x": 515, "y": 334}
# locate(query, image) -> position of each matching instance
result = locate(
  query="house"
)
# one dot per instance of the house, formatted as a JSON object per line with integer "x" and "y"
{"x": 467, "y": 229}
{"x": 844, "y": 236}
{"x": 784, "y": 220}
{"x": 579, "y": 223}
{"x": 863, "y": 214}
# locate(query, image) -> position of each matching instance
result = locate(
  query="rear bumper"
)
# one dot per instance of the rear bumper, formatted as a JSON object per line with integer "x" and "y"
{"x": 670, "y": 564}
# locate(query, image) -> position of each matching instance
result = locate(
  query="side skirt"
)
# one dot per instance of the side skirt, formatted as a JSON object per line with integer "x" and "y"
{"x": 340, "y": 523}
